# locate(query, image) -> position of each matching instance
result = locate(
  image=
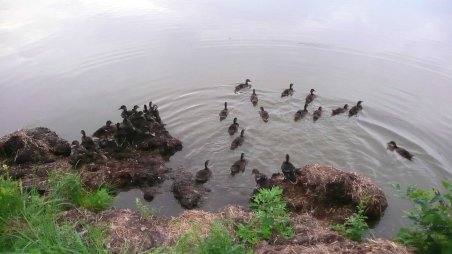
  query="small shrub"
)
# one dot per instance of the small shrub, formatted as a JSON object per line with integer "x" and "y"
{"x": 354, "y": 226}
{"x": 144, "y": 210}
{"x": 268, "y": 217}
{"x": 220, "y": 241}
{"x": 97, "y": 200}
{"x": 431, "y": 231}
{"x": 10, "y": 199}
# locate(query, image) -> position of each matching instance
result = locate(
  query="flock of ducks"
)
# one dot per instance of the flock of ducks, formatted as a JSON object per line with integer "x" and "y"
{"x": 287, "y": 168}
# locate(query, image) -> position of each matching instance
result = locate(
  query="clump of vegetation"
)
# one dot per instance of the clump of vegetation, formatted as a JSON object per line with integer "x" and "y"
{"x": 269, "y": 217}
{"x": 29, "y": 222}
{"x": 354, "y": 226}
{"x": 144, "y": 210}
{"x": 431, "y": 231}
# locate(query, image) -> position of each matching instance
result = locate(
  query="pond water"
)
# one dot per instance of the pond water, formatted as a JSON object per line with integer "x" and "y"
{"x": 68, "y": 65}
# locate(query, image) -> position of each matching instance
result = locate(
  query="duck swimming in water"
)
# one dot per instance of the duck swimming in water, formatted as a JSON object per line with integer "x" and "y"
{"x": 254, "y": 98}
{"x": 264, "y": 114}
{"x": 301, "y": 113}
{"x": 339, "y": 110}
{"x": 238, "y": 141}
{"x": 288, "y": 91}
{"x": 404, "y": 153}
{"x": 233, "y": 127}
{"x": 262, "y": 180}
{"x": 355, "y": 109}
{"x": 87, "y": 142}
{"x": 242, "y": 86}
{"x": 288, "y": 170}
{"x": 239, "y": 166}
{"x": 310, "y": 97}
{"x": 224, "y": 113}
{"x": 317, "y": 114}
{"x": 203, "y": 175}
{"x": 105, "y": 131}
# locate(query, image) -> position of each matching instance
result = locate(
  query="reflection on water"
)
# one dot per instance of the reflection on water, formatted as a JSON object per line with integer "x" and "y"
{"x": 69, "y": 65}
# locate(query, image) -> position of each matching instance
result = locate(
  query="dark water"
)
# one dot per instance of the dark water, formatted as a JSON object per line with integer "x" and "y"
{"x": 68, "y": 65}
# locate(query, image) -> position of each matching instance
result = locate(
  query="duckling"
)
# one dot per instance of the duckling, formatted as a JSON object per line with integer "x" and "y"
{"x": 317, "y": 114}
{"x": 264, "y": 114}
{"x": 224, "y": 113}
{"x": 87, "y": 142}
{"x": 262, "y": 180}
{"x": 238, "y": 141}
{"x": 124, "y": 112}
{"x": 105, "y": 131}
{"x": 120, "y": 135}
{"x": 242, "y": 86}
{"x": 203, "y": 175}
{"x": 355, "y": 109}
{"x": 239, "y": 166}
{"x": 404, "y": 153}
{"x": 301, "y": 113}
{"x": 288, "y": 91}
{"x": 233, "y": 127}
{"x": 145, "y": 109}
{"x": 288, "y": 170}
{"x": 339, "y": 110}
{"x": 254, "y": 98}
{"x": 311, "y": 96}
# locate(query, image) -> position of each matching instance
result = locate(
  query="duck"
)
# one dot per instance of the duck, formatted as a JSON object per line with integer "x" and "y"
{"x": 238, "y": 141}
{"x": 105, "y": 131}
{"x": 224, "y": 113}
{"x": 254, "y": 98}
{"x": 124, "y": 112}
{"x": 242, "y": 86}
{"x": 261, "y": 179}
{"x": 288, "y": 91}
{"x": 87, "y": 142}
{"x": 301, "y": 113}
{"x": 339, "y": 110}
{"x": 317, "y": 114}
{"x": 288, "y": 170}
{"x": 203, "y": 175}
{"x": 264, "y": 114}
{"x": 120, "y": 135}
{"x": 355, "y": 109}
{"x": 404, "y": 153}
{"x": 239, "y": 166}
{"x": 233, "y": 127}
{"x": 310, "y": 97}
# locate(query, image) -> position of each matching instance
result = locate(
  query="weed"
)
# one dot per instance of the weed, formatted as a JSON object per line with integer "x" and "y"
{"x": 431, "y": 231}
{"x": 268, "y": 217}
{"x": 354, "y": 226}
{"x": 144, "y": 210}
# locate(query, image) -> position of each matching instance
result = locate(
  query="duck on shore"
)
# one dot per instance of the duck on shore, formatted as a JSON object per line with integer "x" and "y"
{"x": 317, "y": 114}
{"x": 339, "y": 110}
{"x": 301, "y": 113}
{"x": 288, "y": 91}
{"x": 242, "y": 86}
{"x": 87, "y": 142}
{"x": 288, "y": 170}
{"x": 224, "y": 113}
{"x": 310, "y": 97}
{"x": 233, "y": 127}
{"x": 261, "y": 179}
{"x": 106, "y": 131}
{"x": 355, "y": 109}
{"x": 203, "y": 175}
{"x": 253, "y": 98}
{"x": 238, "y": 141}
{"x": 239, "y": 166}
{"x": 401, "y": 151}
{"x": 264, "y": 114}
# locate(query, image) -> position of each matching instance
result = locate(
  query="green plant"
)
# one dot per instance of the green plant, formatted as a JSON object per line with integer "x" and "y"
{"x": 144, "y": 210}
{"x": 10, "y": 199}
{"x": 220, "y": 241}
{"x": 431, "y": 231}
{"x": 354, "y": 226}
{"x": 268, "y": 217}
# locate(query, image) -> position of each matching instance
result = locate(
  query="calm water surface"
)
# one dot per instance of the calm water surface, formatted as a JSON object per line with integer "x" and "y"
{"x": 68, "y": 65}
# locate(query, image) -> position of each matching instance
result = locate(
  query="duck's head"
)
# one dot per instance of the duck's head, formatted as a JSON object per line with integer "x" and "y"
{"x": 306, "y": 106}
{"x": 83, "y": 133}
{"x": 359, "y": 103}
{"x": 287, "y": 157}
{"x": 75, "y": 143}
{"x": 312, "y": 91}
{"x": 262, "y": 109}
{"x": 346, "y": 106}
{"x": 255, "y": 171}
{"x": 242, "y": 156}
{"x": 206, "y": 163}
{"x": 123, "y": 107}
{"x": 108, "y": 123}
{"x": 320, "y": 108}
{"x": 235, "y": 120}
{"x": 242, "y": 132}
{"x": 254, "y": 91}
{"x": 225, "y": 105}
{"x": 135, "y": 108}
{"x": 118, "y": 125}
{"x": 392, "y": 145}
{"x": 291, "y": 85}
{"x": 145, "y": 107}
{"x": 150, "y": 104}
{"x": 247, "y": 80}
